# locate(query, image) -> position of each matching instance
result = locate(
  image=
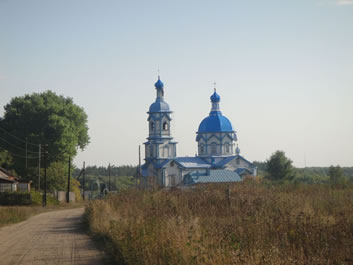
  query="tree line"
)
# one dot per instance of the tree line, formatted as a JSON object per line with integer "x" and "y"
{"x": 280, "y": 168}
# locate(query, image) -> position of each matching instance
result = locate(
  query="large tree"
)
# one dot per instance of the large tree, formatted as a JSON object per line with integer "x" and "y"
{"x": 279, "y": 167}
{"x": 336, "y": 174}
{"x": 47, "y": 119}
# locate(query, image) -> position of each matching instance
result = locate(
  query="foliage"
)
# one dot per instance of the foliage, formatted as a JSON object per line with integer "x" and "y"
{"x": 5, "y": 159}
{"x": 56, "y": 176}
{"x": 15, "y": 198}
{"x": 121, "y": 177}
{"x": 336, "y": 174}
{"x": 44, "y": 118}
{"x": 279, "y": 167}
{"x": 37, "y": 199}
{"x": 75, "y": 188}
{"x": 242, "y": 223}
{"x": 124, "y": 170}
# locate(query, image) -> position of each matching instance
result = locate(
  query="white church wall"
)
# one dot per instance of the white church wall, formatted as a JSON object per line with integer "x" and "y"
{"x": 237, "y": 163}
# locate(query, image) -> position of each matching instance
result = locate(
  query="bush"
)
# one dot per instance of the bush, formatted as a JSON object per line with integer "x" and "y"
{"x": 15, "y": 198}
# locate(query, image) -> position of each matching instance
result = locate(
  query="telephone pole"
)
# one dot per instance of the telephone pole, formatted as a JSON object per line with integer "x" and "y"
{"x": 84, "y": 180}
{"x": 45, "y": 176}
{"x": 109, "y": 177}
{"x": 68, "y": 182}
{"x": 39, "y": 156}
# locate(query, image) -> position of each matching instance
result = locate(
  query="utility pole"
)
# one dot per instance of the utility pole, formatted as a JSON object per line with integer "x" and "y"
{"x": 45, "y": 176}
{"x": 26, "y": 157}
{"x": 109, "y": 177}
{"x": 83, "y": 183}
{"x": 39, "y": 156}
{"x": 139, "y": 170}
{"x": 68, "y": 182}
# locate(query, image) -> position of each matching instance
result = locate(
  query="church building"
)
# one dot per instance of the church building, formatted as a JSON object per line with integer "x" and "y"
{"x": 218, "y": 158}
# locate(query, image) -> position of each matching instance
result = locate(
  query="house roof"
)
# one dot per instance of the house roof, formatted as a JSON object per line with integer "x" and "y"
{"x": 6, "y": 178}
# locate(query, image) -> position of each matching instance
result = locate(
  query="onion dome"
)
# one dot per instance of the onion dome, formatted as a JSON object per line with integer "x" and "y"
{"x": 215, "y": 97}
{"x": 215, "y": 122}
{"x": 159, "y": 84}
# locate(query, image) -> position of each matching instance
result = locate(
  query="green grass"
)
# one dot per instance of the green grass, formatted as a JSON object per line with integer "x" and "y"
{"x": 244, "y": 223}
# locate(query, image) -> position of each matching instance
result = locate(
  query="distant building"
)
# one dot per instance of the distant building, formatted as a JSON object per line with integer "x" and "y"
{"x": 8, "y": 182}
{"x": 218, "y": 158}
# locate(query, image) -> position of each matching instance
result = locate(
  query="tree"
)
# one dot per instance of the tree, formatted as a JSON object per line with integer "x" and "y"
{"x": 336, "y": 174}
{"x": 279, "y": 167}
{"x": 44, "y": 118}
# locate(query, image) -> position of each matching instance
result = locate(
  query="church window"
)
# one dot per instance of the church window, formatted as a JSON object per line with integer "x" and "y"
{"x": 202, "y": 148}
{"x": 213, "y": 148}
{"x": 152, "y": 126}
{"x": 151, "y": 150}
{"x": 172, "y": 163}
{"x": 165, "y": 126}
{"x": 227, "y": 147}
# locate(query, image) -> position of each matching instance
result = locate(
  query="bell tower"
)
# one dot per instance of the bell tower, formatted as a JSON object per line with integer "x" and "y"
{"x": 159, "y": 145}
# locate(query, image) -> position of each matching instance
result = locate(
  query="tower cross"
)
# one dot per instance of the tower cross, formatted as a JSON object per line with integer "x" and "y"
{"x": 214, "y": 84}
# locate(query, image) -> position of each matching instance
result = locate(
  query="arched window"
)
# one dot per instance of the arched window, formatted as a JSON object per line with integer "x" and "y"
{"x": 202, "y": 149}
{"x": 151, "y": 150}
{"x": 227, "y": 148}
{"x": 165, "y": 126}
{"x": 213, "y": 148}
{"x": 152, "y": 126}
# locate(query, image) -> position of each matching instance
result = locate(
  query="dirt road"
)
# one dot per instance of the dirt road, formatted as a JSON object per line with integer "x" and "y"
{"x": 48, "y": 238}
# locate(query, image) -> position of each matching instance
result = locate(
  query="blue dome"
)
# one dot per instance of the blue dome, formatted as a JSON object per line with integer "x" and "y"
{"x": 215, "y": 123}
{"x": 159, "y": 106}
{"x": 215, "y": 97}
{"x": 159, "y": 84}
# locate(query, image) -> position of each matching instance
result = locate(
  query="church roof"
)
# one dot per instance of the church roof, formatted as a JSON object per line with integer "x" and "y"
{"x": 215, "y": 97}
{"x": 159, "y": 83}
{"x": 159, "y": 106}
{"x": 192, "y": 162}
{"x": 211, "y": 176}
{"x": 215, "y": 123}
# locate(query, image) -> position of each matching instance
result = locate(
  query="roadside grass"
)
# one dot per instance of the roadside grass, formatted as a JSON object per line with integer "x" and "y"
{"x": 242, "y": 223}
{"x": 16, "y": 214}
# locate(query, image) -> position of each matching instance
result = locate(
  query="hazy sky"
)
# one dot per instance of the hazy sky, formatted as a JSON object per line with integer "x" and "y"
{"x": 284, "y": 70}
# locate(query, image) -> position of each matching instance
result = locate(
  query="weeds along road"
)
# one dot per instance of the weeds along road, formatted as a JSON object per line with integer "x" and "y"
{"x": 49, "y": 238}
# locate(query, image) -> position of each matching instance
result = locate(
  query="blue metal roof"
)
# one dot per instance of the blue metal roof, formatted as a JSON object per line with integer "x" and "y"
{"x": 159, "y": 84}
{"x": 230, "y": 158}
{"x": 159, "y": 106}
{"x": 215, "y": 97}
{"x": 216, "y": 122}
{"x": 211, "y": 176}
{"x": 192, "y": 162}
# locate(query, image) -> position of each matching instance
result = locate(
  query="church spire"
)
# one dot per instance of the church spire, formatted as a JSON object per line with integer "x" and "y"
{"x": 215, "y": 99}
{"x": 159, "y": 87}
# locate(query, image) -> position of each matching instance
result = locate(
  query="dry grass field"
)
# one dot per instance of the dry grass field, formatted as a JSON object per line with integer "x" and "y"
{"x": 243, "y": 223}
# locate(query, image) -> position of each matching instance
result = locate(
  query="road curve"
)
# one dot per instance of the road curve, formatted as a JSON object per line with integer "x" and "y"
{"x": 49, "y": 238}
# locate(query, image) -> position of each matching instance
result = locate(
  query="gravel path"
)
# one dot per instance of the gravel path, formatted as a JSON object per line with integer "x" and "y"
{"x": 48, "y": 238}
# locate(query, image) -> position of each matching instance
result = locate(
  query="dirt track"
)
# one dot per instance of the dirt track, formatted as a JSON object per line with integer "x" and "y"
{"x": 48, "y": 238}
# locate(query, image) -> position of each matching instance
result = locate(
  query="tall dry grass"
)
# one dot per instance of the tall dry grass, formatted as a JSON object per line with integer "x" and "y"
{"x": 244, "y": 223}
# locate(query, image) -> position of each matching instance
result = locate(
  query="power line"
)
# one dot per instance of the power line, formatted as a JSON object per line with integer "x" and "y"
{"x": 17, "y": 146}
{"x": 20, "y": 156}
{"x": 18, "y": 138}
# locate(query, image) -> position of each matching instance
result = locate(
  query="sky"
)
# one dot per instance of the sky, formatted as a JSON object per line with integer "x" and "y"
{"x": 283, "y": 69}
